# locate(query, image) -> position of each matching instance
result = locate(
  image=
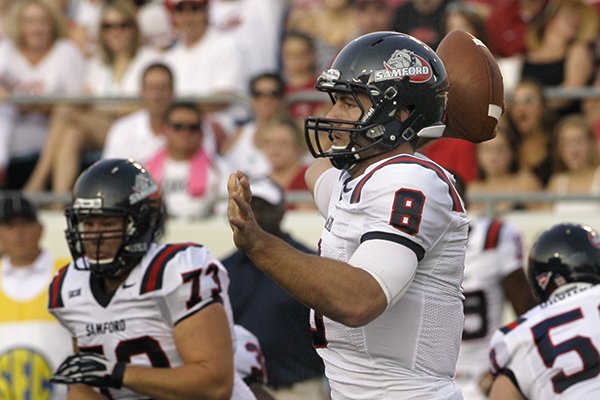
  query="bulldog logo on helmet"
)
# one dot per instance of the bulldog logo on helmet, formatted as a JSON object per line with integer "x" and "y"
{"x": 144, "y": 187}
{"x": 594, "y": 239}
{"x": 543, "y": 279}
{"x": 405, "y": 63}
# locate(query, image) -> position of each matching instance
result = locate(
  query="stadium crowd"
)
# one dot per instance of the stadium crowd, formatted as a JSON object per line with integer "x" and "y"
{"x": 91, "y": 56}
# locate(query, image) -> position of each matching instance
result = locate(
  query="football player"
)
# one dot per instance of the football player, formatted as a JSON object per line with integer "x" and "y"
{"x": 552, "y": 351}
{"x": 148, "y": 319}
{"x": 494, "y": 274}
{"x": 385, "y": 291}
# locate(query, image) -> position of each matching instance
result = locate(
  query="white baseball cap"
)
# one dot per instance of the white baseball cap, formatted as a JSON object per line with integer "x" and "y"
{"x": 266, "y": 189}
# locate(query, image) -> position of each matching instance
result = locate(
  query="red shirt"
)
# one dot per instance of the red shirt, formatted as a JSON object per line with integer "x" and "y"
{"x": 506, "y": 30}
{"x": 455, "y": 155}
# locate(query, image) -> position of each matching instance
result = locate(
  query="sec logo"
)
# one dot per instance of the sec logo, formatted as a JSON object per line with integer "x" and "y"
{"x": 24, "y": 375}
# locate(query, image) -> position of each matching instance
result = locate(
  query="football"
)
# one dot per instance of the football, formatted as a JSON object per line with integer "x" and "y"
{"x": 476, "y": 94}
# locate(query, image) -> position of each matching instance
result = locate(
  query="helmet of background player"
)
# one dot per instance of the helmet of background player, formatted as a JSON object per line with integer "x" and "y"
{"x": 395, "y": 71}
{"x": 563, "y": 254}
{"x": 115, "y": 187}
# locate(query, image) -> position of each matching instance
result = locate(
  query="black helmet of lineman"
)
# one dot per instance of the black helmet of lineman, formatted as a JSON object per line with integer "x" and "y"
{"x": 115, "y": 187}
{"x": 395, "y": 71}
{"x": 563, "y": 254}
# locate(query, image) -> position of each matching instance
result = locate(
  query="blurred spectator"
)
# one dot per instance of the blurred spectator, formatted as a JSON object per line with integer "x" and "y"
{"x": 373, "y": 16}
{"x": 115, "y": 71}
{"x": 203, "y": 61}
{"x": 298, "y": 59}
{"x": 422, "y": 19}
{"x": 295, "y": 371}
{"x": 32, "y": 343}
{"x": 507, "y": 23}
{"x": 532, "y": 120}
{"x": 332, "y": 24}
{"x": 576, "y": 164}
{"x": 499, "y": 171}
{"x": 559, "y": 51}
{"x": 241, "y": 151}
{"x": 35, "y": 60}
{"x": 494, "y": 274}
{"x": 285, "y": 148}
{"x": 122, "y": 57}
{"x": 256, "y": 26}
{"x": 466, "y": 17}
{"x": 154, "y": 20}
{"x": 191, "y": 179}
{"x": 141, "y": 134}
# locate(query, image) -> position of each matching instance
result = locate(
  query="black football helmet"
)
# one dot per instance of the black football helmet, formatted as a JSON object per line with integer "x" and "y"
{"x": 563, "y": 254}
{"x": 394, "y": 70}
{"x": 115, "y": 187}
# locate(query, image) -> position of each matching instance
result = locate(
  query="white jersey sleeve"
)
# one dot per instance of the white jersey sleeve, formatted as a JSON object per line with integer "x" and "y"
{"x": 552, "y": 351}
{"x": 191, "y": 280}
{"x": 407, "y": 202}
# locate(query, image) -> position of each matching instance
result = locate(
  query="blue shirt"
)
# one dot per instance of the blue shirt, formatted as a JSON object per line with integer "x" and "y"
{"x": 280, "y": 322}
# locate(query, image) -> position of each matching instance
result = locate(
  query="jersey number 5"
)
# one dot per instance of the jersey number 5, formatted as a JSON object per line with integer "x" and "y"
{"x": 581, "y": 345}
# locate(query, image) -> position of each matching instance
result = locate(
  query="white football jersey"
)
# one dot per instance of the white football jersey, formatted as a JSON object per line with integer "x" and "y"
{"x": 409, "y": 351}
{"x": 172, "y": 282}
{"x": 553, "y": 350}
{"x": 494, "y": 251}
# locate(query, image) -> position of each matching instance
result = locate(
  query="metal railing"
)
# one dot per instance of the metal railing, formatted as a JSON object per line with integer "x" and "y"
{"x": 491, "y": 201}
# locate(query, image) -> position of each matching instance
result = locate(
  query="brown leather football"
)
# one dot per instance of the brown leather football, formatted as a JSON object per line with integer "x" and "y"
{"x": 476, "y": 94}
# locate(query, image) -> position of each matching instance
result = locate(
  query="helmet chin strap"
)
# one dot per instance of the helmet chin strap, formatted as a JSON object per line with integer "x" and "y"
{"x": 347, "y": 161}
{"x": 343, "y": 161}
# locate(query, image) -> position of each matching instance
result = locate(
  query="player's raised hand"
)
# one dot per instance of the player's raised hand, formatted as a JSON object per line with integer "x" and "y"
{"x": 239, "y": 212}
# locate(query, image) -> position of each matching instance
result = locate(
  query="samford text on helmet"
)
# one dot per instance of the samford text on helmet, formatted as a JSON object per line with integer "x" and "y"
{"x": 564, "y": 254}
{"x": 115, "y": 187}
{"x": 395, "y": 71}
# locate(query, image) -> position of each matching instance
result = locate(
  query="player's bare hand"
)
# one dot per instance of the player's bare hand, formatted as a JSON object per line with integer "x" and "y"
{"x": 239, "y": 212}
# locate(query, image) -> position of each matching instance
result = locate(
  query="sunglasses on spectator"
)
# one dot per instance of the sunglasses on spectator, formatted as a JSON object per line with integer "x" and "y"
{"x": 192, "y": 6}
{"x": 179, "y": 126}
{"x": 266, "y": 93}
{"x": 116, "y": 25}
